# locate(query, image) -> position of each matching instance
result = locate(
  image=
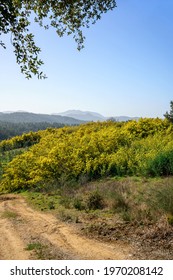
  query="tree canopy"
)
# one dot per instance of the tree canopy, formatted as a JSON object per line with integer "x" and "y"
{"x": 169, "y": 116}
{"x": 66, "y": 16}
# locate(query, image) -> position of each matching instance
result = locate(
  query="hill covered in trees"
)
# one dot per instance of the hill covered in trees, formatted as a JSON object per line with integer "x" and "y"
{"x": 17, "y": 123}
{"x": 87, "y": 152}
{"x": 9, "y": 129}
{"x": 25, "y": 117}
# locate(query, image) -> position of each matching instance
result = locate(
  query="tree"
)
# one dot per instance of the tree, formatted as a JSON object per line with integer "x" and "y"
{"x": 169, "y": 116}
{"x": 66, "y": 16}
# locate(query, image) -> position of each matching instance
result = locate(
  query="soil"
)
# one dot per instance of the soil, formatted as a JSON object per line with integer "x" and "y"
{"x": 26, "y": 233}
{"x": 48, "y": 238}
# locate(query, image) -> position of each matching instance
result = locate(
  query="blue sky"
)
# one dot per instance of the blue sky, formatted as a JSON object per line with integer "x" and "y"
{"x": 126, "y": 67}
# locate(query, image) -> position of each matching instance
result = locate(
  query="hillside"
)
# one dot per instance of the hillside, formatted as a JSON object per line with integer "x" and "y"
{"x": 93, "y": 150}
{"x": 70, "y": 117}
{"x": 25, "y": 117}
{"x": 111, "y": 180}
{"x": 11, "y": 129}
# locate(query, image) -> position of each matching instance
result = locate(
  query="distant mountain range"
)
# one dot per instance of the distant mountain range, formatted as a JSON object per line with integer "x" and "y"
{"x": 123, "y": 118}
{"x": 71, "y": 117}
{"x": 82, "y": 115}
{"x": 93, "y": 116}
{"x": 25, "y": 117}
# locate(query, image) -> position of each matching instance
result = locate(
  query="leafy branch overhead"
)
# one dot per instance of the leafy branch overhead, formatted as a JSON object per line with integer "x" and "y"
{"x": 66, "y": 16}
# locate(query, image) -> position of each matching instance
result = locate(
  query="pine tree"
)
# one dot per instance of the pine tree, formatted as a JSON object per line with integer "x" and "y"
{"x": 169, "y": 116}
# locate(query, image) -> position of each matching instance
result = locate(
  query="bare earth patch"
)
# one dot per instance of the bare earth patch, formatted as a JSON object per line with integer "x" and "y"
{"x": 28, "y": 228}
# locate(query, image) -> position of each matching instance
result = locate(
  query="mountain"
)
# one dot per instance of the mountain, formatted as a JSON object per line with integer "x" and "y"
{"x": 25, "y": 117}
{"x": 92, "y": 116}
{"x": 82, "y": 115}
{"x": 70, "y": 117}
{"x": 123, "y": 118}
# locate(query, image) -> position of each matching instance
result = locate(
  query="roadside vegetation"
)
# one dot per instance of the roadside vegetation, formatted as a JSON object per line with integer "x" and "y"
{"x": 134, "y": 200}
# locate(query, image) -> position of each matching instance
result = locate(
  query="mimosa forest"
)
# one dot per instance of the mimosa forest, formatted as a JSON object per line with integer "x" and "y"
{"x": 87, "y": 152}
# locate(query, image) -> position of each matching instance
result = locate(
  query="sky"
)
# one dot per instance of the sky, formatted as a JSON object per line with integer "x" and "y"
{"x": 125, "y": 69}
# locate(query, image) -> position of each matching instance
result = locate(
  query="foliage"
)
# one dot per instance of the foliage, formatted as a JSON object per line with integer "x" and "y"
{"x": 162, "y": 164}
{"x": 95, "y": 200}
{"x": 138, "y": 201}
{"x": 9, "y": 149}
{"x": 9, "y": 215}
{"x": 67, "y": 17}
{"x": 79, "y": 204}
{"x": 23, "y": 141}
{"x": 169, "y": 116}
{"x": 164, "y": 198}
{"x": 7, "y": 156}
{"x": 60, "y": 157}
{"x": 33, "y": 246}
{"x": 8, "y": 129}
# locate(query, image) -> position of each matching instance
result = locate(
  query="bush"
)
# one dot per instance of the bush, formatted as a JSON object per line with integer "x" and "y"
{"x": 170, "y": 219}
{"x": 51, "y": 205}
{"x": 95, "y": 201}
{"x": 161, "y": 165}
{"x": 79, "y": 204}
{"x": 164, "y": 198}
{"x": 65, "y": 201}
{"x": 120, "y": 203}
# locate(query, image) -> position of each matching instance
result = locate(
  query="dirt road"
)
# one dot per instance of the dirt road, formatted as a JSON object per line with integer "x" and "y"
{"x": 46, "y": 237}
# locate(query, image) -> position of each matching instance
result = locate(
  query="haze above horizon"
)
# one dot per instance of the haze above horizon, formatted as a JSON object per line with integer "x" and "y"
{"x": 126, "y": 67}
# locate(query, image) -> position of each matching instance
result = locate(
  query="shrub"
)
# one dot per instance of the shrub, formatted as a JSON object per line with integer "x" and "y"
{"x": 79, "y": 204}
{"x": 170, "y": 219}
{"x": 161, "y": 165}
{"x": 65, "y": 201}
{"x": 95, "y": 201}
{"x": 164, "y": 198}
{"x": 120, "y": 203}
{"x": 51, "y": 205}
{"x": 67, "y": 215}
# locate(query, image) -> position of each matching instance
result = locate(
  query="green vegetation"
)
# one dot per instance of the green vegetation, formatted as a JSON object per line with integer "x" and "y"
{"x": 9, "y": 129}
{"x": 34, "y": 246}
{"x": 169, "y": 116}
{"x": 17, "y": 145}
{"x": 97, "y": 170}
{"x": 9, "y": 215}
{"x": 7, "y": 156}
{"x": 133, "y": 200}
{"x": 70, "y": 155}
{"x": 43, "y": 201}
{"x": 67, "y": 17}
{"x": 40, "y": 250}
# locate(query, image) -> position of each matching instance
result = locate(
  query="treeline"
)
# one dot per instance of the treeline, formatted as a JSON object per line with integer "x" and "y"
{"x": 94, "y": 150}
{"x": 9, "y": 129}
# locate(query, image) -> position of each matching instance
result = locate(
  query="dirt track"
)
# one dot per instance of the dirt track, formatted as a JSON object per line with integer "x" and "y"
{"x": 20, "y": 225}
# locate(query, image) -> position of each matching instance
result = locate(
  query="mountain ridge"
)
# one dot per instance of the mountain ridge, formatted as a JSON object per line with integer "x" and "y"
{"x": 93, "y": 116}
{"x": 83, "y": 115}
{"x": 69, "y": 117}
{"x": 26, "y": 117}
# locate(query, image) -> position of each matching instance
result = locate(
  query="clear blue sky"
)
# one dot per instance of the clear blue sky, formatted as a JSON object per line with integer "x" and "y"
{"x": 126, "y": 67}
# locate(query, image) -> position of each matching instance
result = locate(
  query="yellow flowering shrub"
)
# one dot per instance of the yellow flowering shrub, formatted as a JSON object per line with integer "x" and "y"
{"x": 93, "y": 149}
